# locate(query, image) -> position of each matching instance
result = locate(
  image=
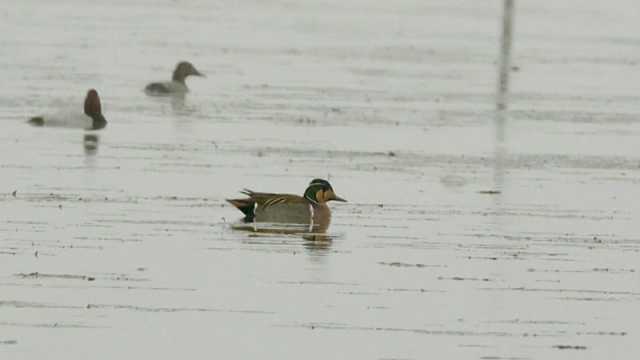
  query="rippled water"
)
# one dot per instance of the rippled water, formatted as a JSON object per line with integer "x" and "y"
{"x": 454, "y": 245}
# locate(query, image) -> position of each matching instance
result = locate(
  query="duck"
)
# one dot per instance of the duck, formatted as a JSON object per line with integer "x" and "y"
{"x": 91, "y": 119}
{"x": 177, "y": 84}
{"x": 309, "y": 209}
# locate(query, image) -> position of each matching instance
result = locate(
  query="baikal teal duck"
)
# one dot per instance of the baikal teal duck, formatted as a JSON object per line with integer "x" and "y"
{"x": 309, "y": 211}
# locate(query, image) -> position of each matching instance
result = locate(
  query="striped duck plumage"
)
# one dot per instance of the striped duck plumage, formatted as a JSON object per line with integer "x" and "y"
{"x": 309, "y": 209}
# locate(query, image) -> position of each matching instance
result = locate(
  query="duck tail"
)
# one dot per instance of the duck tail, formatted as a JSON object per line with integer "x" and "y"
{"x": 247, "y": 206}
{"x": 156, "y": 88}
{"x": 36, "y": 121}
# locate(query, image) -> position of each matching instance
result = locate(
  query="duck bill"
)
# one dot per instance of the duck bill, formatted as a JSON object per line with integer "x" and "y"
{"x": 198, "y": 73}
{"x": 338, "y": 198}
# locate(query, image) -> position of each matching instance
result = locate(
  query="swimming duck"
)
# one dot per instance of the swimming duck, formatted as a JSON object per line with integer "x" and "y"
{"x": 92, "y": 119}
{"x": 311, "y": 208}
{"x": 177, "y": 84}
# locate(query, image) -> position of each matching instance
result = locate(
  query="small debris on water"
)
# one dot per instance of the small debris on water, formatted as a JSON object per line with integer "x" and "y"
{"x": 38, "y": 275}
{"x": 490, "y": 192}
{"x": 306, "y": 120}
{"x": 570, "y": 347}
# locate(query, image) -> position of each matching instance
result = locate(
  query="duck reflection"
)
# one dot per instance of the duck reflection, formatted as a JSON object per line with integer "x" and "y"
{"x": 178, "y": 103}
{"x": 315, "y": 236}
{"x": 90, "y": 143}
{"x": 180, "y": 106}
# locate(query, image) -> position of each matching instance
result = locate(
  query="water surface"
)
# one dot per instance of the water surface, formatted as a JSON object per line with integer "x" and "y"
{"x": 453, "y": 245}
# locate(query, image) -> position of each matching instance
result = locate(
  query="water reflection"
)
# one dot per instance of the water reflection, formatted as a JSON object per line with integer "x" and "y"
{"x": 90, "y": 144}
{"x": 314, "y": 235}
{"x": 177, "y": 102}
{"x": 179, "y": 105}
{"x": 502, "y": 101}
{"x": 317, "y": 242}
{"x": 502, "y": 96}
{"x": 504, "y": 64}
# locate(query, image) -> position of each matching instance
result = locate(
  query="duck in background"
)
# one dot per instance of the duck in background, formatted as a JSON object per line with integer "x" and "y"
{"x": 309, "y": 210}
{"x": 92, "y": 119}
{"x": 177, "y": 85}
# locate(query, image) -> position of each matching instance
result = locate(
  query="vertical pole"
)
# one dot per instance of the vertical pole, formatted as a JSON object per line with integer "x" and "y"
{"x": 504, "y": 65}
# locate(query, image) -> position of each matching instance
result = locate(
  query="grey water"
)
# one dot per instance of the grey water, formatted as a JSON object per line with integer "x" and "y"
{"x": 472, "y": 231}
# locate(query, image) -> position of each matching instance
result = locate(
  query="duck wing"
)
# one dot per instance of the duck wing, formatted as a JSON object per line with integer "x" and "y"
{"x": 270, "y": 199}
{"x": 272, "y": 207}
{"x": 157, "y": 88}
{"x": 281, "y": 208}
{"x": 166, "y": 88}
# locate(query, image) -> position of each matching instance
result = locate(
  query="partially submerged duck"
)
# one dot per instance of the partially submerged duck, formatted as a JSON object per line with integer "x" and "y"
{"x": 92, "y": 119}
{"x": 309, "y": 209}
{"x": 177, "y": 85}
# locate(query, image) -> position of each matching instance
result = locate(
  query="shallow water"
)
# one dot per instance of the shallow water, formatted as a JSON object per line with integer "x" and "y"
{"x": 453, "y": 245}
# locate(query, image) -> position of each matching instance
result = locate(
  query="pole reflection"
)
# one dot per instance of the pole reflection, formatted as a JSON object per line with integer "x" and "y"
{"x": 502, "y": 96}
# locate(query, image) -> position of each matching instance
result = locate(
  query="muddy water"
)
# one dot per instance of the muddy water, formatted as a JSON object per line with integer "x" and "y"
{"x": 455, "y": 244}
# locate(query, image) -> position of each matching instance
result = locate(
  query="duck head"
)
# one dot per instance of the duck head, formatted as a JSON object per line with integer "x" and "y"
{"x": 92, "y": 104}
{"x": 93, "y": 109}
{"x": 184, "y": 69}
{"x": 320, "y": 191}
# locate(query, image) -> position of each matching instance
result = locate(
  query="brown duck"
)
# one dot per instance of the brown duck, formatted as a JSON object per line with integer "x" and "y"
{"x": 91, "y": 119}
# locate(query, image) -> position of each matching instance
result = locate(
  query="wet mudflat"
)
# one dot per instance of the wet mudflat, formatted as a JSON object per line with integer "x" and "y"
{"x": 468, "y": 234}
